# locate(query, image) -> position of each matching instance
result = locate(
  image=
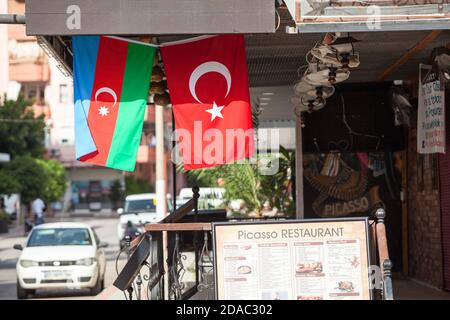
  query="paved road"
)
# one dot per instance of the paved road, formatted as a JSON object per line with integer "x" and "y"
{"x": 105, "y": 228}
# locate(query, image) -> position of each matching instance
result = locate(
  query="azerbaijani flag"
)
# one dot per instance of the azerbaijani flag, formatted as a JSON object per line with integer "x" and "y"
{"x": 111, "y": 83}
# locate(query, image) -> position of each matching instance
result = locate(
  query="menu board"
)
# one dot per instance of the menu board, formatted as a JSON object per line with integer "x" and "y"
{"x": 292, "y": 260}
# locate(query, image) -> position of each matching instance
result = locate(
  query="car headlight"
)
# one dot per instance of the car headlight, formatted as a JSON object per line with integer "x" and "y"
{"x": 86, "y": 262}
{"x": 28, "y": 263}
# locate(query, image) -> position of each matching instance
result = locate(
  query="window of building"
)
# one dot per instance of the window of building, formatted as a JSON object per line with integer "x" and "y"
{"x": 63, "y": 93}
{"x": 34, "y": 92}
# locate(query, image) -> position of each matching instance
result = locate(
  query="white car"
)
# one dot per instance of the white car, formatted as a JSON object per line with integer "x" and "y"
{"x": 61, "y": 255}
{"x": 139, "y": 209}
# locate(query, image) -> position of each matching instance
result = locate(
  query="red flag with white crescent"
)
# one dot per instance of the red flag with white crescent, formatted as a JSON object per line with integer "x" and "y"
{"x": 209, "y": 90}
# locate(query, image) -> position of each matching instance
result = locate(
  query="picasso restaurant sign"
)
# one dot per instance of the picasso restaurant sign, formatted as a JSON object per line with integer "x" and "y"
{"x": 137, "y": 17}
{"x": 292, "y": 260}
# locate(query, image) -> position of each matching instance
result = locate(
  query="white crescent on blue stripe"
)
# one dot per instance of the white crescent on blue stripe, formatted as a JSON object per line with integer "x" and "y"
{"x": 210, "y": 66}
{"x": 108, "y": 91}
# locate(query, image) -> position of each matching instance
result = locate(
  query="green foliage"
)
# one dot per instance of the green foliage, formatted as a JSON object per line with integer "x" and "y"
{"x": 244, "y": 181}
{"x": 37, "y": 178}
{"x": 116, "y": 193}
{"x": 23, "y": 137}
{"x": 134, "y": 185}
{"x": 202, "y": 177}
{"x": 30, "y": 176}
{"x": 56, "y": 179}
{"x": 276, "y": 188}
{"x": 4, "y": 216}
{"x": 8, "y": 183}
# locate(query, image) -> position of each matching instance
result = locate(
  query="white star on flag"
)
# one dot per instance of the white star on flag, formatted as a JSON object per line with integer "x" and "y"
{"x": 216, "y": 111}
{"x": 103, "y": 111}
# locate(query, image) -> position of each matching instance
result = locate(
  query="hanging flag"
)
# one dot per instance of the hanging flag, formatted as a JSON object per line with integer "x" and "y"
{"x": 208, "y": 85}
{"x": 111, "y": 83}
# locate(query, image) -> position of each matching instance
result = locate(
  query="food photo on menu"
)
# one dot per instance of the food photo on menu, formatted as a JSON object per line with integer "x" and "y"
{"x": 244, "y": 270}
{"x": 346, "y": 286}
{"x": 309, "y": 267}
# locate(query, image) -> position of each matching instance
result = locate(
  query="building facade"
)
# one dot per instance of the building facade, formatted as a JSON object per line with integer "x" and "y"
{"x": 358, "y": 131}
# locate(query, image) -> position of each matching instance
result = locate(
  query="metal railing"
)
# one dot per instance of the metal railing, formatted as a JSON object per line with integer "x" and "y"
{"x": 186, "y": 269}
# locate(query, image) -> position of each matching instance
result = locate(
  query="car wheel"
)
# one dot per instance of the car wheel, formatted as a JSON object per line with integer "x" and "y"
{"x": 98, "y": 286}
{"x": 23, "y": 293}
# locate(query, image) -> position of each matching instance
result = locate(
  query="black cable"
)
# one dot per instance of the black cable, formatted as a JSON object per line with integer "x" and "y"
{"x": 350, "y": 130}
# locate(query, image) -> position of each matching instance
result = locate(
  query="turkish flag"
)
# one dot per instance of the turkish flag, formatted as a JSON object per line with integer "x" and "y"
{"x": 208, "y": 87}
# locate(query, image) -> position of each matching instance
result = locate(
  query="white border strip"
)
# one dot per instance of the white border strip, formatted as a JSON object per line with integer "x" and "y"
{"x": 134, "y": 41}
{"x": 186, "y": 40}
{"x": 163, "y": 44}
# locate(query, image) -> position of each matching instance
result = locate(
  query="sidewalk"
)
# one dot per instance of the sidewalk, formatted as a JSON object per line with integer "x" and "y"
{"x": 408, "y": 289}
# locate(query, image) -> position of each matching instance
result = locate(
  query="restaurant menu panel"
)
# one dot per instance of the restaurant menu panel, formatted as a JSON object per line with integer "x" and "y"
{"x": 292, "y": 260}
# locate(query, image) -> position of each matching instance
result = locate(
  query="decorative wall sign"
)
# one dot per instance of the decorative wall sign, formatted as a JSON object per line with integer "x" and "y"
{"x": 292, "y": 260}
{"x": 351, "y": 184}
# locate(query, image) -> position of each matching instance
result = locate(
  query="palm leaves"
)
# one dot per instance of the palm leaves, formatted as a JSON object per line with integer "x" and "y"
{"x": 243, "y": 180}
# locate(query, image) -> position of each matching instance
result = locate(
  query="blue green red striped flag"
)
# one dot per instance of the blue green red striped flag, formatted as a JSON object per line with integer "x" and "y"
{"x": 111, "y": 84}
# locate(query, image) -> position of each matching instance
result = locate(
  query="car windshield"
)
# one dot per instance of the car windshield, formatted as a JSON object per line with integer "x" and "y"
{"x": 60, "y": 237}
{"x": 140, "y": 206}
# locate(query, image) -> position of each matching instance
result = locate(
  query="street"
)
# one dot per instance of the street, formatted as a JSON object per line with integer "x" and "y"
{"x": 106, "y": 230}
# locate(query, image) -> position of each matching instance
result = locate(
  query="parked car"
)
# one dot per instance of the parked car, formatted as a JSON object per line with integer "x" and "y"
{"x": 61, "y": 255}
{"x": 209, "y": 197}
{"x": 139, "y": 209}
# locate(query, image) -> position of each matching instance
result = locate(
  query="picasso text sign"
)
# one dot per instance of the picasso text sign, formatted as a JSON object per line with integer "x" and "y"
{"x": 292, "y": 260}
{"x": 128, "y": 17}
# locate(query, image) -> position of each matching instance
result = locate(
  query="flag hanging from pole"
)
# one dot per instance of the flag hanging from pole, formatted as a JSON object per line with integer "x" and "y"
{"x": 208, "y": 85}
{"x": 111, "y": 83}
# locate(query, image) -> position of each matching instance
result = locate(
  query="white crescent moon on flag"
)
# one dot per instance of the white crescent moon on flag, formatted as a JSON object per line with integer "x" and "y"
{"x": 210, "y": 66}
{"x": 108, "y": 91}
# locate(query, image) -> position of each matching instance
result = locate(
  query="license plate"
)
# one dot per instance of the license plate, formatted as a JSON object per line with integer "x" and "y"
{"x": 57, "y": 274}
{"x": 95, "y": 205}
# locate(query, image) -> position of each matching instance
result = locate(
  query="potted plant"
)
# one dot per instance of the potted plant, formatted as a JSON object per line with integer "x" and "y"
{"x": 4, "y": 220}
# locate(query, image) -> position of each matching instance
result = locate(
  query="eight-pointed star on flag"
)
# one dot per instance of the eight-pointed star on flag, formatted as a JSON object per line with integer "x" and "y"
{"x": 103, "y": 111}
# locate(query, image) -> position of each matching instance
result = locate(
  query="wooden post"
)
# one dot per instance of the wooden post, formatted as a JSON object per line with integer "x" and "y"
{"x": 383, "y": 254}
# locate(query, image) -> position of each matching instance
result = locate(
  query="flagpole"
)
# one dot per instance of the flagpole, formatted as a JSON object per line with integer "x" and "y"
{"x": 161, "y": 199}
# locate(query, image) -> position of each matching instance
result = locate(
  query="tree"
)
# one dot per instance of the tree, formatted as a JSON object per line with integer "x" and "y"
{"x": 135, "y": 185}
{"x": 278, "y": 188}
{"x": 20, "y": 132}
{"x": 8, "y": 183}
{"x": 116, "y": 193}
{"x": 30, "y": 176}
{"x": 56, "y": 179}
{"x": 44, "y": 179}
{"x": 244, "y": 181}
